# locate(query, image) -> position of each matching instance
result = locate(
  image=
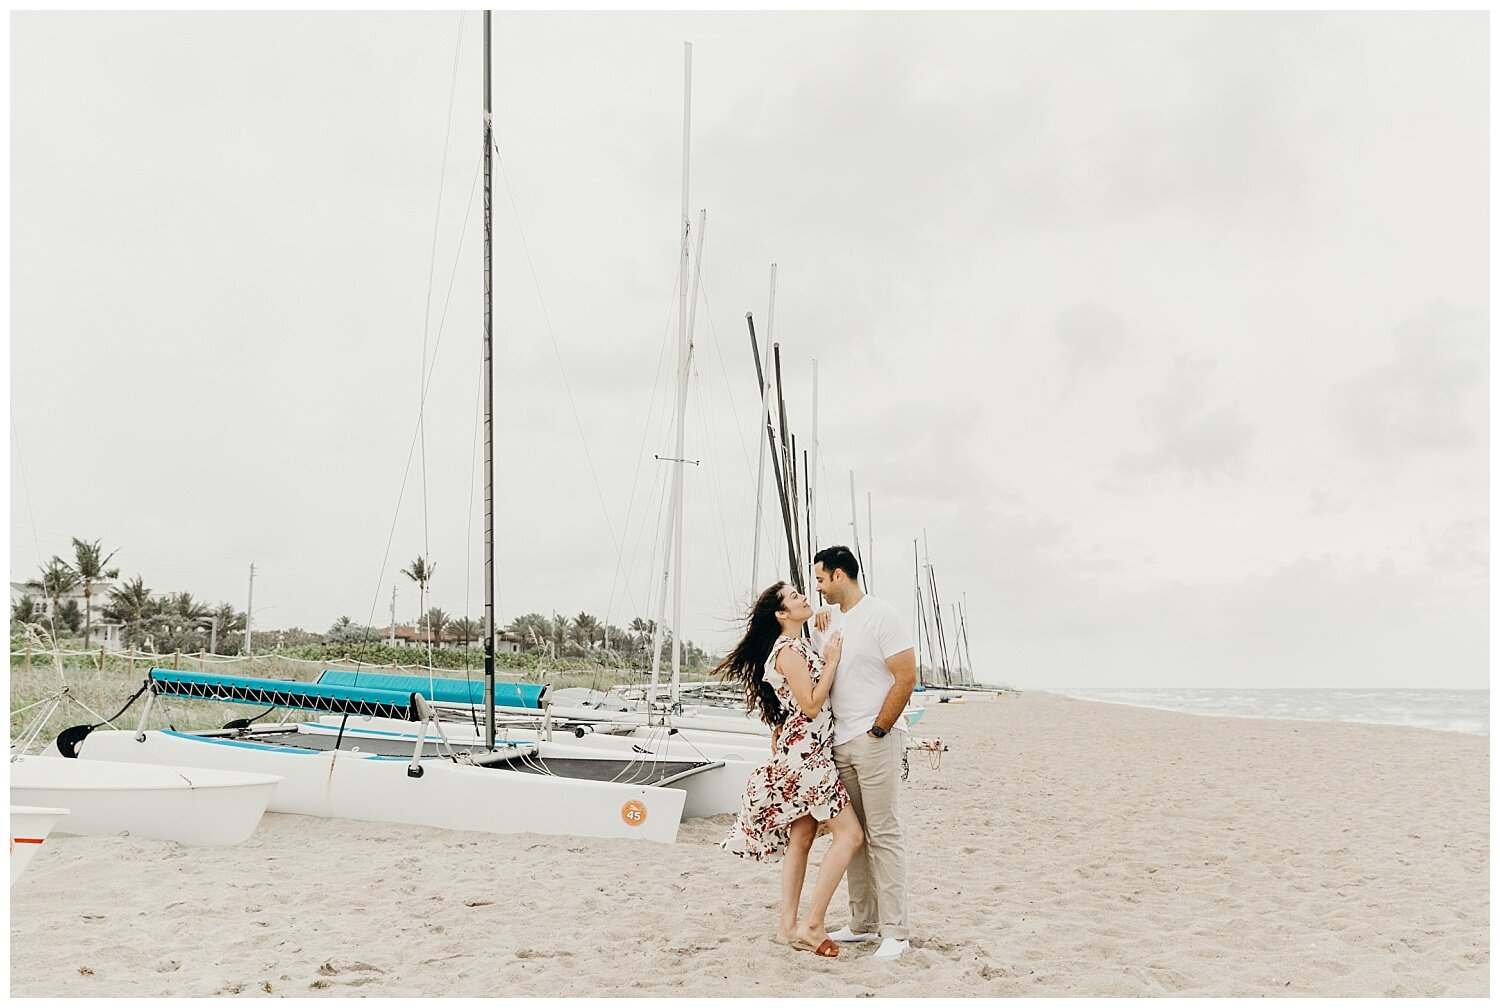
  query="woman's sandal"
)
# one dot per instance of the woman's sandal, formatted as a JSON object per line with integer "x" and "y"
{"x": 828, "y": 949}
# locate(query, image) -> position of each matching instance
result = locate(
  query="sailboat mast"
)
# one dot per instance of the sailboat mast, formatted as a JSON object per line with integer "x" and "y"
{"x": 760, "y": 465}
{"x": 687, "y": 368}
{"x": 869, "y": 563}
{"x": 489, "y": 417}
{"x": 810, "y": 476}
{"x": 920, "y": 622}
{"x": 854, "y": 524}
{"x": 674, "y": 519}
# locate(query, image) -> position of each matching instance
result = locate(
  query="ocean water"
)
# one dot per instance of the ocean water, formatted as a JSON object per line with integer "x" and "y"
{"x": 1465, "y": 711}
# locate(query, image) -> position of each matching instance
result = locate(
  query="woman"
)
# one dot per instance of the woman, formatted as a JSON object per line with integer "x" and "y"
{"x": 788, "y": 798}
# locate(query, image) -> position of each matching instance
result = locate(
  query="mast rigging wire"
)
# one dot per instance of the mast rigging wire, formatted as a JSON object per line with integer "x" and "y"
{"x": 557, "y": 352}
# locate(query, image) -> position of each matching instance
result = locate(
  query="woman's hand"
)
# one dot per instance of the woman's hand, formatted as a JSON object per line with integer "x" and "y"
{"x": 833, "y": 649}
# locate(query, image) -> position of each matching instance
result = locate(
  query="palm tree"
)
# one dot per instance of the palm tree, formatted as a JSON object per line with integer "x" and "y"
{"x": 226, "y": 622}
{"x": 644, "y": 630}
{"x": 562, "y": 629}
{"x": 56, "y": 581}
{"x": 421, "y": 572}
{"x": 435, "y": 621}
{"x": 467, "y": 630}
{"x": 533, "y": 627}
{"x": 588, "y": 629}
{"x": 25, "y": 610}
{"x": 69, "y": 615}
{"x": 88, "y": 564}
{"x": 132, "y": 605}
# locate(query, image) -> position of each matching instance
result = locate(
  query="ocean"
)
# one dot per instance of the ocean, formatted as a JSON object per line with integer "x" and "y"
{"x": 1466, "y": 711}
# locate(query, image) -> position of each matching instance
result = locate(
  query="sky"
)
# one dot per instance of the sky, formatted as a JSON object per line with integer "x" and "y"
{"x": 1161, "y": 337}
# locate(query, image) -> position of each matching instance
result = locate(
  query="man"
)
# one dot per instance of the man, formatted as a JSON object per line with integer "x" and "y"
{"x": 874, "y": 683}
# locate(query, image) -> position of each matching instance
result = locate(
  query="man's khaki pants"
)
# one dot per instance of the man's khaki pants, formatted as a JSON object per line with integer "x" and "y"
{"x": 871, "y": 771}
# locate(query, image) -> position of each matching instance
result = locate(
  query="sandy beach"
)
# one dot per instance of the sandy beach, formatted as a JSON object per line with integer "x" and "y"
{"x": 1062, "y": 848}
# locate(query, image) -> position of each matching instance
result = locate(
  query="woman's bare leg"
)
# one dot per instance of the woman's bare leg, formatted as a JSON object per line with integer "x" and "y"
{"x": 793, "y": 873}
{"x": 847, "y": 836}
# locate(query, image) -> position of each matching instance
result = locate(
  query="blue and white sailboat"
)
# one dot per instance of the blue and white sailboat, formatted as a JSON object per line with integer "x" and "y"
{"x": 416, "y": 775}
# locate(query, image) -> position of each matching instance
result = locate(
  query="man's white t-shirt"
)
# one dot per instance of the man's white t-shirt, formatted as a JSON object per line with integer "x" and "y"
{"x": 873, "y": 632}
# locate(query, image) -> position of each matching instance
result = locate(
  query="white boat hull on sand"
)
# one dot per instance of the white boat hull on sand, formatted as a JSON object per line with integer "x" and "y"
{"x": 340, "y": 784}
{"x": 711, "y": 793}
{"x": 29, "y": 827}
{"x": 190, "y": 805}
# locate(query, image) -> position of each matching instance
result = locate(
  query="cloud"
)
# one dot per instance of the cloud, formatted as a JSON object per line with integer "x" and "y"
{"x": 1461, "y": 549}
{"x": 1091, "y": 336}
{"x": 1187, "y": 437}
{"x": 1430, "y": 396}
{"x": 1324, "y": 503}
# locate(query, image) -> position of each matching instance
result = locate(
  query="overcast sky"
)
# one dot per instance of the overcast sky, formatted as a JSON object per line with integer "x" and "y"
{"x": 1168, "y": 330}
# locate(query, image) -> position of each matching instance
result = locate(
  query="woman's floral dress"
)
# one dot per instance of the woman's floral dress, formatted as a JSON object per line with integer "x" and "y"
{"x": 800, "y": 778}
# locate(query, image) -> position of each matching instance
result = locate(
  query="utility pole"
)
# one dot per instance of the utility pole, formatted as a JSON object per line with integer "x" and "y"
{"x": 249, "y": 608}
{"x": 392, "y": 641}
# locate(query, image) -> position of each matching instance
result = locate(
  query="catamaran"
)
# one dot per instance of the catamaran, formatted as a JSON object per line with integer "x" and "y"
{"x": 418, "y": 775}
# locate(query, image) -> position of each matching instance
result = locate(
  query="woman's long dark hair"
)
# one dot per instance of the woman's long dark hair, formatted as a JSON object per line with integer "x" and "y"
{"x": 746, "y": 663}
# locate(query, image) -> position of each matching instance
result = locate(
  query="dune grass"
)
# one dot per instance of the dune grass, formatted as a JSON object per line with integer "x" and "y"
{"x": 52, "y": 690}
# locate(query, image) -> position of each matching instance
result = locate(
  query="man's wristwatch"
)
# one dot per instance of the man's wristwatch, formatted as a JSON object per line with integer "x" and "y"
{"x": 877, "y": 731}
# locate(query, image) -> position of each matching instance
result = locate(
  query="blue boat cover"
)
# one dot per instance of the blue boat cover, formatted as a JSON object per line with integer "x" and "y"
{"x": 373, "y": 702}
{"x": 463, "y": 691}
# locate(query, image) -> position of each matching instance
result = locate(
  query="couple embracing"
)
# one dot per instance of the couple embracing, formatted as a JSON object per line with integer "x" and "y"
{"x": 837, "y": 737}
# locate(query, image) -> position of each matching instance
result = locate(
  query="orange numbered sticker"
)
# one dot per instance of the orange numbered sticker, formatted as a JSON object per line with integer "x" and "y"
{"x": 634, "y": 813}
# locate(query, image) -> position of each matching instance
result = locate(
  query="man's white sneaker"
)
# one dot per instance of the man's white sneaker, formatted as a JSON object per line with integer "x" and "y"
{"x": 848, "y": 934}
{"x": 892, "y": 948}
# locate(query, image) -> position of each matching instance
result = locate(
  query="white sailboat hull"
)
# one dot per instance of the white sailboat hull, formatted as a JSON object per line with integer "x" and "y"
{"x": 191, "y": 805}
{"x": 712, "y": 792}
{"x": 29, "y": 828}
{"x": 341, "y": 784}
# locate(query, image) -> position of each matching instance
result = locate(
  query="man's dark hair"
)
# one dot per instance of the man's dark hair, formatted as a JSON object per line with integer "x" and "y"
{"x": 838, "y": 558}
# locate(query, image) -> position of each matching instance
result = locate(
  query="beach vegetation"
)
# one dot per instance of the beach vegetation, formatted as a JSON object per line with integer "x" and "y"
{"x": 55, "y": 580}
{"x": 90, "y": 566}
{"x": 26, "y": 610}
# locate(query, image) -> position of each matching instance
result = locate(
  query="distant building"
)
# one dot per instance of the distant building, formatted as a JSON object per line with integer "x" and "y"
{"x": 103, "y": 631}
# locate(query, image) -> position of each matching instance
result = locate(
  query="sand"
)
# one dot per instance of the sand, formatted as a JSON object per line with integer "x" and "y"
{"x": 1062, "y": 848}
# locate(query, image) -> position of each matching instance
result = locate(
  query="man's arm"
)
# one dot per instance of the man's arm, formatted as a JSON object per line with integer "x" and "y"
{"x": 903, "y": 665}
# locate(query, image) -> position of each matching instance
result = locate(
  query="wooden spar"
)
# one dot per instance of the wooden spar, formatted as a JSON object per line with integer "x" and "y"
{"x": 489, "y": 417}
